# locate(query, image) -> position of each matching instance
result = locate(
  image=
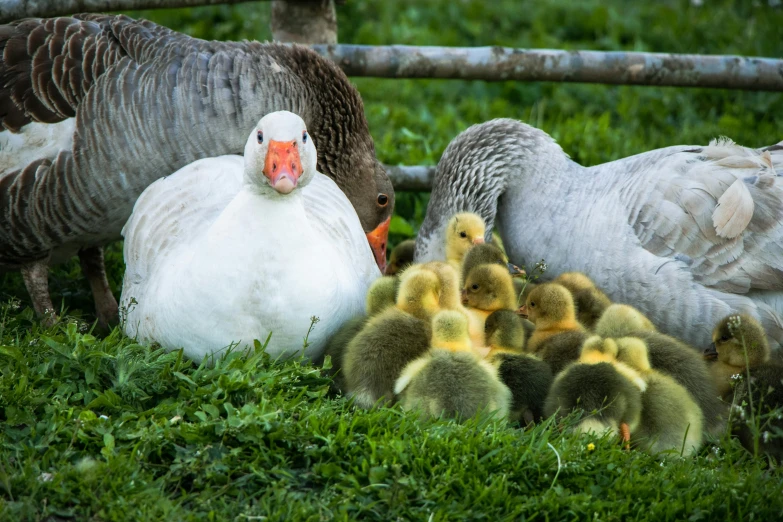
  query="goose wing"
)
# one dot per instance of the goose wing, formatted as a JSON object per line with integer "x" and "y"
{"x": 49, "y": 65}
{"x": 332, "y": 214}
{"x": 173, "y": 210}
{"x": 718, "y": 209}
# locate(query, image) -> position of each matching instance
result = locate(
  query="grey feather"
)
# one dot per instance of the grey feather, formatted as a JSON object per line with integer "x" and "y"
{"x": 147, "y": 101}
{"x": 641, "y": 227}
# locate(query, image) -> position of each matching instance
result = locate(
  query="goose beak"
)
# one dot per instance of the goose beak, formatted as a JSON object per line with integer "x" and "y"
{"x": 464, "y": 297}
{"x": 522, "y": 311}
{"x": 377, "y": 239}
{"x": 711, "y": 353}
{"x": 478, "y": 240}
{"x": 283, "y": 166}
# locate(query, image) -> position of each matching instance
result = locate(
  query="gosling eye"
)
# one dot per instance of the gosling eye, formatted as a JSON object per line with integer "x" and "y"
{"x": 724, "y": 338}
{"x": 532, "y": 304}
{"x": 474, "y": 287}
{"x": 304, "y": 136}
{"x": 260, "y": 137}
{"x": 463, "y": 234}
{"x": 383, "y": 200}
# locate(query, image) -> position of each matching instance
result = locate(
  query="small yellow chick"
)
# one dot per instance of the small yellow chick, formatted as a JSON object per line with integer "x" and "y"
{"x": 590, "y": 301}
{"x": 451, "y": 380}
{"x": 621, "y": 320}
{"x": 401, "y": 257}
{"x": 376, "y": 355}
{"x": 671, "y": 420}
{"x": 487, "y": 288}
{"x": 607, "y": 391}
{"x": 462, "y": 232}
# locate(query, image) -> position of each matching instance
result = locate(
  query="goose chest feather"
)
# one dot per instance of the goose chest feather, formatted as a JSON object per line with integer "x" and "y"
{"x": 687, "y": 234}
{"x": 217, "y": 256}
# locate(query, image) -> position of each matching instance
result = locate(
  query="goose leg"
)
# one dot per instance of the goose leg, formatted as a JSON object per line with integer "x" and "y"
{"x": 36, "y": 280}
{"x": 94, "y": 269}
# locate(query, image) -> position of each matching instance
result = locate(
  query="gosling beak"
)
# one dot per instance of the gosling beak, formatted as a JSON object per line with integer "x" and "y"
{"x": 377, "y": 239}
{"x": 283, "y": 166}
{"x": 522, "y": 311}
{"x": 711, "y": 353}
{"x": 515, "y": 271}
{"x": 464, "y": 297}
{"x": 478, "y": 240}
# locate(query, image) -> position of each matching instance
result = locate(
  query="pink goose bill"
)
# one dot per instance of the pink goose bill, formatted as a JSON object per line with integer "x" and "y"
{"x": 283, "y": 165}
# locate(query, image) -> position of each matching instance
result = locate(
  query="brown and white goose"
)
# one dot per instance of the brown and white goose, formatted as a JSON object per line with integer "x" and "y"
{"x": 94, "y": 108}
{"x": 687, "y": 234}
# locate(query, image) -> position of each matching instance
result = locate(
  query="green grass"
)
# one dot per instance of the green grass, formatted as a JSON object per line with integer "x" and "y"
{"x": 249, "y": 438}
{"x": 109, "y": 429}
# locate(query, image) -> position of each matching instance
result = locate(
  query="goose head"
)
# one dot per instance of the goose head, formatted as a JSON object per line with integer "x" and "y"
{"x": 475, "y": 172}
{"x": 279, "y": 154}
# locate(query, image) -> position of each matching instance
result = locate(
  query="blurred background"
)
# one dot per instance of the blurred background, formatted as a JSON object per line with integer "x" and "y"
{"x": 412, "y": 121}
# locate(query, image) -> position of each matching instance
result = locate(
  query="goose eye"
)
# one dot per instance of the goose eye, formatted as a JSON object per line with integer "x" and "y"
{"x": 724, "y": 338}
{"x": 304, "y": 136}
{"x": 474, "y": 287}
{"x": 463, "y": 234}
{"x": 532, "y": 305}
{"x": 383, "y": 200}
{"x": 260, "y": 137}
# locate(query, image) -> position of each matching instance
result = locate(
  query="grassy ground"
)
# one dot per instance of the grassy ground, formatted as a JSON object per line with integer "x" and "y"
{"x": 95, "y": 427}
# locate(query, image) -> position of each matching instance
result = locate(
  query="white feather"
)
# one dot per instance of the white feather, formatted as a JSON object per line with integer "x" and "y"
{"x": 734, "y": 210}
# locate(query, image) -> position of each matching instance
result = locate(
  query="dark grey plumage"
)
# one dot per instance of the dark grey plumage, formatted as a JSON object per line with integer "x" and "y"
{"x": 375, "y": 357}
{"x": 561, "y": 350}
{"x": 529, "y": 380}
{"x": 598, "y": 390}
{"x": 147, "y": 101}
{"x": 336, "y": 348}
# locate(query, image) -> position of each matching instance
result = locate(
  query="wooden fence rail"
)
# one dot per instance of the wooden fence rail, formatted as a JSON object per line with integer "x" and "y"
{"x": 467, "y": 63}
{"x": 612, "y": 67}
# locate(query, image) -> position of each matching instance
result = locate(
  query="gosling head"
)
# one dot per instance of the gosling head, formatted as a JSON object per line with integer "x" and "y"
{"x": 489, "y": 287}
{"x": 549, "y": 302}
{"x": 419, "y": 293}
{"x": 735, "y": 335}
{"x": 462, "y": 232}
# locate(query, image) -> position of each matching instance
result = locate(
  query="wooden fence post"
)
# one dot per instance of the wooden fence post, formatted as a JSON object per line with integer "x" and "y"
{"x": 304, "y": 21}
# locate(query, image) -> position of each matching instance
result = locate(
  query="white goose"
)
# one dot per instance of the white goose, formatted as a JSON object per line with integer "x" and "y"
{"x": 687, "y": 234}
{"x": 229, "y": 249}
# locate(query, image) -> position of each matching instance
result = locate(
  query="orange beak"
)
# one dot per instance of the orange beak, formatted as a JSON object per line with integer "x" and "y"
{"x": 464, "y": 296}
{"x": 377, "y": 239}
{"x": 522, "y": 311}
{"x": 625, "y": 433}
{"x": 283, "y": 166}
{"x": 478, "y": 240}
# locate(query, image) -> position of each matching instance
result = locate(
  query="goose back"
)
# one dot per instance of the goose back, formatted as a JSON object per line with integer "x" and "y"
{"x": 687, "y": 234}
{"x": 147, "y": 101}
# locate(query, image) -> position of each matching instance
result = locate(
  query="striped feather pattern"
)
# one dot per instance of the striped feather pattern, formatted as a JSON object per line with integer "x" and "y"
{"x": 146, "y": 101}
{"x": 687, "y": 234}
